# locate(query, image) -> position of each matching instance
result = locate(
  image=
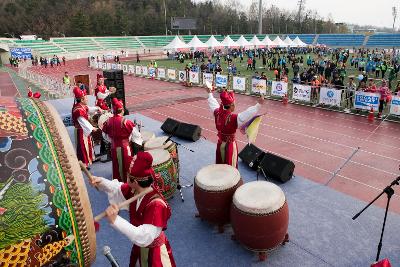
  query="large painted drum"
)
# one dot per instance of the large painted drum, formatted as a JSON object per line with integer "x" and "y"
{"x": 260, "y": 216}
{"x": 158, "y": 143}
{"x": 45, "y": 213}
{"x": 165, "y": 171}
{"x": 213, "y": 190}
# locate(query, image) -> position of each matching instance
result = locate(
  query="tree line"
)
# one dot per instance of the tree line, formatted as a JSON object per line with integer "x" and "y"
{"x": 57, "y": 18}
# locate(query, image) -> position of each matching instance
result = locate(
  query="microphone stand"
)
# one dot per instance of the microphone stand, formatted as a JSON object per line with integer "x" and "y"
{"x": 389, "y": 193}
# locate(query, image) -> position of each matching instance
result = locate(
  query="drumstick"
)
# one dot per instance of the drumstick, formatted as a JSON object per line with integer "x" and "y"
{"x": 125, "y": 203}
{"x": 88, "y": 174}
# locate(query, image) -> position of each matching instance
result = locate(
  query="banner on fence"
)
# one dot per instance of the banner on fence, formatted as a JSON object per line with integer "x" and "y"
{"x": 21, "y": 52}
{"x": 279, "y": 88}
{"x": 138, "y": 70}
{"x": 113, "y": 66}
{"x": 221, "y": 80}
{"x": 131, "y": 69}
{"x": 109, "y": 66}
{"x": 302, "y": 92}
{"x": 182, "y": 76}
{"x": 208, "y": 77}
{"x": 161, "y": 73}
{"x": 239, "y": 84}
{"x": 152, "y": 72}
{"x": 119, "y": 66}
{"x": 145, "y": 71}
{"x": 125, "y": 68}
{"x": 94, "y": 64}
{"x": 194, "y": 77}
{"x": 364, "y": 100}
{"x": 259, "y": 86}
{"x": 330, "y": 96}
{"x": 171, "y": 74}
{"x": 395, "y": 105}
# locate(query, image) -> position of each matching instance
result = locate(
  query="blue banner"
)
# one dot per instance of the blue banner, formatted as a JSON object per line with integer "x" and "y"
{"x": 364, "y": 100}
{"x": 221, "y": 80}
{"x": 21, "y": 52}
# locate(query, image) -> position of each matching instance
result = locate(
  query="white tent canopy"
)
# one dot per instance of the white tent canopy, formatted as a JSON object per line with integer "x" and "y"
{"x": 267, "y": 42}
{"x": 289, "y": 42}
{"x": 213, "y": 43}
{"x": 279, "y": 43}
{"x": 196, "y": 43}
{"x": 176, "y": 44}
{"x": 256, "y": 42}
{"x": 228, "y": 42}
{"x": 298, "y": 42}
{"x": 242, "y": 42}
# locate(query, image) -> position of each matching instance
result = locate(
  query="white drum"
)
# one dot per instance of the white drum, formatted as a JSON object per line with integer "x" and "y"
{"x": 103, "y": 118}
{"x": 147, "y": 135}
{"x": 158, "y": 143}
{"x": 217, "y": 177}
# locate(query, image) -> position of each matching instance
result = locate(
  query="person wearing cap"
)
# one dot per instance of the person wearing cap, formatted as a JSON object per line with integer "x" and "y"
{"x": 120, "y": 132}
{"x": 227, "y": 123}
{"x": 148, "y": 216}
{"x": 83, "y": 128}
{"x": 101, "y": 93}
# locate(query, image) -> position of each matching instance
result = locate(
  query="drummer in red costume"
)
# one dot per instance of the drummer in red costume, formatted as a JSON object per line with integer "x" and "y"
{"x": 101, "y": 93}
{"x": 148, "y": 215}
{"x": 227, "y": 123}
{"x": 83, "y": 128}
{"x": 120, "y": 131}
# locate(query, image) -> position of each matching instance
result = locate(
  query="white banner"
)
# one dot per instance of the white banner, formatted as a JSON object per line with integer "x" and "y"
{"x": 109, "y": 66}
{"x": 330, "y": 96}
{"x": 152, "y": 72}
{"x": 138, "y": 70}
{"x": 119, "y": 67}
{"x": 95, "y": 65}
{"x": 125, "y": 68}
{"x": 208, "y": 77}
{"x": 131, "y": 69}
{"x": 364, "y": 100}
{"x": 104, "y": 66}
{"x": 221, "y": 80}
{"x": 194, "y": 77}
{"x": 171, "y": 74}
{"x": 113, "y": 66}
{"x": 239, "y": 84}
{"x": 302, "y": 92}
{"x": 395, "y": 105}
{"x": 279, "y": 88}
{"x": 182, "y": 76}
{"x": 161, "y": 73}
{"x": 259, "y": 86}
{"x": 145, "y": 71}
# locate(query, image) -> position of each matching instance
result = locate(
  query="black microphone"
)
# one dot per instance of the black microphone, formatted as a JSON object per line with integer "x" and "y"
{"x": 107, "y": 253}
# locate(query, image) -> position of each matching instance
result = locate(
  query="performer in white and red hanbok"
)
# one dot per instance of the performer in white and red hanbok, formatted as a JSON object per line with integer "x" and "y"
{"x": 148, "y": 215}
{"x": 83, "y": 128}
{"x": 120, "y": 131}
{"x": 101, "y": 93}
{"x": 227, "y": 123}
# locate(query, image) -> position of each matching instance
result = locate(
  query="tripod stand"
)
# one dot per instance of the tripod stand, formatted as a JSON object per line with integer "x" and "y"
{"x": 389, "y": 193}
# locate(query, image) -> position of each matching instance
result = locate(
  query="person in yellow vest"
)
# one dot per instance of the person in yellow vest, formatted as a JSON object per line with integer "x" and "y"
{"x": 66, "y": 79}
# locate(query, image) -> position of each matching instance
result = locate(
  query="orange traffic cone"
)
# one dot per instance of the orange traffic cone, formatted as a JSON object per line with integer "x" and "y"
{"x": 371, "y": 115}
{"x": 285, "y": 99}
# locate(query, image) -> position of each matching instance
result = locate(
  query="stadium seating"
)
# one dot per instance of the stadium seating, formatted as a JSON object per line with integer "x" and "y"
{"x": 77, "y": 44}
{"x": 306, "y": 38}
{"x": 341, "y": 39}
{"x": 41, "y": 46}
{"x": 156, "y": 41}
{"x": 387, "y": 40}
{"x": 118, "y": 42}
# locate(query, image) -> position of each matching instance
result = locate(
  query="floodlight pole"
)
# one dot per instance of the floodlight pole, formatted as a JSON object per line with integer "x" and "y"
{"x": 260, "y": 17}
{"x": 165, "y": 18}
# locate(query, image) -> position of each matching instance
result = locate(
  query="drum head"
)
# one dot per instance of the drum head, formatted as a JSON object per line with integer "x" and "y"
{"x": 103, "y": 118}
{"x": 159, "y": 156}
{"x": 157, "y": 142}
{"x": 259, "y": 197}
{"x": 217, "y": 177}
{"x": 147, "y": 135}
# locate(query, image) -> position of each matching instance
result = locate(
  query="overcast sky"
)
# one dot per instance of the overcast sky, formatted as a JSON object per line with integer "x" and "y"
{"x": 362, "y": 12}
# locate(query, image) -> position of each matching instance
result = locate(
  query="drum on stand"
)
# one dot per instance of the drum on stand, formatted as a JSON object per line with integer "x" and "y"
{"x": 214, "y": 186}
{"x": 158, "y": 143}
{"x": 164, "y": 168}
{"x": 94, "y": 121}
{"x": 260, "y": 216}
{"x": 41, "y": 175}
{"x": 146, "y": 136}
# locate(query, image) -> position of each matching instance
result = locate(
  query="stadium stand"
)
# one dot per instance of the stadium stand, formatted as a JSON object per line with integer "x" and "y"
{"x": 387, "y": 40}
{"x": 77, "y": 44}
{"x": 306, "y": 38}
{"x": 118, "y": 42}
{"x": 341, "y": 39}
{"x": 155, "y": 41}
{"x": 41, "y": 46}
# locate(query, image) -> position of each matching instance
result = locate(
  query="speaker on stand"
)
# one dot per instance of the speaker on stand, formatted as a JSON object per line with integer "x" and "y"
{"x": 182, "y": 130}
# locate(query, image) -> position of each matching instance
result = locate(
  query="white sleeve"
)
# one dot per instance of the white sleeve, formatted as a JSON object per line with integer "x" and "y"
{"x": 246, "y": 115}
{"x": 86, "y": 126}
{"x": 113, "y": 190}
{"x": 136, "y": 137}
{"x": 212, "y": 102}
{"x": 101, "y": 95}
{"x": 141, "y": 236}
{"x": 106, "y": 137}
{"x": 93, "y": 109}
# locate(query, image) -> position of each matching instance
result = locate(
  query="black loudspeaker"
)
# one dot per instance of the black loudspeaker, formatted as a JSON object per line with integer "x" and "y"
{"x": 277, "y": 168}
{"x": 113, "y": 74}
{"x": 170, "y": 125}
{"x": 188, "y": 131}
{"x": 251, "y": 155}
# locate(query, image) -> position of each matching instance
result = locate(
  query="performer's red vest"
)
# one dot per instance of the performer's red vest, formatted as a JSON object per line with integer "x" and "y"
{"x": 226, "y": 124}
{"x": 118, "y": 129}
{"x": 79, "y": 110}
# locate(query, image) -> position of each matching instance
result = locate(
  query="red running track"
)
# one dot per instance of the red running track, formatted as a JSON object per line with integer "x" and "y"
{"x": 320, "y": 142}
{"x": 7, "y": 86}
